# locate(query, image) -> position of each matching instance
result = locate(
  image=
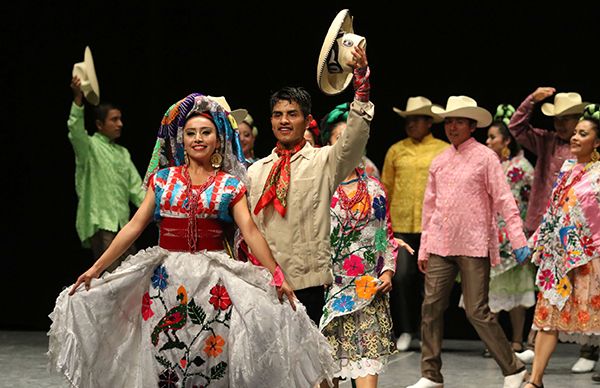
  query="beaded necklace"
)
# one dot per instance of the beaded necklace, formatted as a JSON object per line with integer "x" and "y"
{"x": 347, "y": 204}
{"x": 562, "y": 190}
{"x": 193, "y": 198}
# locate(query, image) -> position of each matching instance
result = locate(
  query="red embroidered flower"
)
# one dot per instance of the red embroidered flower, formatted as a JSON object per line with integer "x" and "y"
{"x": 354, "y": 266}
{"x": 334, "y": 202}
{"x": 596, "y": 302}
{"x": 588, "y": 245}
{"x": 565, "y": 316}
{"x": 516, "y": 174}
{"x": 220, "y": 298}
{"x": 546, "y": 279}
{"x": 583, "y": 317}
{"x": 146, "y": 309}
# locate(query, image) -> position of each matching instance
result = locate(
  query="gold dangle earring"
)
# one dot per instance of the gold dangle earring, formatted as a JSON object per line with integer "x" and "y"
{"x": 216, "y": 160}
{"x": 505, "y": 152}
{"x": 595, "y": 155}
{"x": 186, "y": 158}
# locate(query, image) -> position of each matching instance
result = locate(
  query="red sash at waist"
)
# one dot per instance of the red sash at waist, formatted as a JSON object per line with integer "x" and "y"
{"x": 174, "y": 234}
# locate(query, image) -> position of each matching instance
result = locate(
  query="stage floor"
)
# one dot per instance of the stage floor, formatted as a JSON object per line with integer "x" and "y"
{"x": 23, "y": 364}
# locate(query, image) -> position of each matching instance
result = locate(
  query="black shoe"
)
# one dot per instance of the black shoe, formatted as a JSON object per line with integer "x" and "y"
{"x": 486, "y": 353}
{"x": 596, "y": 377}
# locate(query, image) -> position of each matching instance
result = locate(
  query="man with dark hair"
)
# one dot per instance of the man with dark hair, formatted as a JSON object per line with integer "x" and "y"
{"x": 291, "y": 189}
{"x": 106, "y": 179}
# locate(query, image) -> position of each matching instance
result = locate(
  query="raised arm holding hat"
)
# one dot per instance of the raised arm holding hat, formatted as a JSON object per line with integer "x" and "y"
{"x": 404, "y": 176}
{"x": 103, "y": 194}
{"x": 466, "y": 188}
{"x": 291, "y": 189}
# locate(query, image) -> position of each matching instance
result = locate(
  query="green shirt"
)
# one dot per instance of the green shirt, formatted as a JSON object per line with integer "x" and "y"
{"x": 105, "y": 180}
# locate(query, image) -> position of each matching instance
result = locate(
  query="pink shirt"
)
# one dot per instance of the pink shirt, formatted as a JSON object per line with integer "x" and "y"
{"x": 551, "y": 152}
{"x": 465, "y": 190}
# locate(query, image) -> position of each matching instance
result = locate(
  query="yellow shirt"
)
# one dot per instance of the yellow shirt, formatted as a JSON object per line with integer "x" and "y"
{"x": 404, "y": 176}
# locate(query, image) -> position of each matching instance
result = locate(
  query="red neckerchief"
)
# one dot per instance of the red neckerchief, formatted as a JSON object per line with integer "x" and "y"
{"x": 278, "y": 181}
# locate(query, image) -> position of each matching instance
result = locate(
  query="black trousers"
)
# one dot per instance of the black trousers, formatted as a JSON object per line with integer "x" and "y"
{"x": 313, "y": 298}
{"x": 101, "y": 240}
{"x": 406, "y": 296}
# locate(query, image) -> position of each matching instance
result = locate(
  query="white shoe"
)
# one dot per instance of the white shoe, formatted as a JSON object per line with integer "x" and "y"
{"x": 526, "y": 356}
{"x": 426, "y": 383}
{"x": 403, "y": 342}
{"x": 583, "y": 365}
{"x": 515, "y": 381}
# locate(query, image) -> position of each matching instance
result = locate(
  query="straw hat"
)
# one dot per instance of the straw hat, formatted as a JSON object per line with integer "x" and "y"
{"x": 333, "y": 72}
{"x": 419, "y": 106}
{"x": 463, "y": 106}
{"x": 221, "y": 101}
{"x": 564, "y": 104}
{"x": 86, "y": 72}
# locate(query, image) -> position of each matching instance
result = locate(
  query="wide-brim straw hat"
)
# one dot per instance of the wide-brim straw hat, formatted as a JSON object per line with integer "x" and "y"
{"x": 333, "y": 72}
{"x": 463, "y": 106}
{"x": 564, "y": 104}
{"x": 239, "y": 115}
{"x": 86, "y": 72}
{"x": 419, "y": 106}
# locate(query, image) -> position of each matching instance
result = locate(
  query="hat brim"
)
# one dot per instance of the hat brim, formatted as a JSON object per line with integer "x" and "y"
{"x": 423, "y": 111}
{"x": 239, "y": 115}
{"x": 481, "y": 115}
{"x": 549, "y": 109}
{"x": 329, "y": 83}
{"x": 91, "y": 92}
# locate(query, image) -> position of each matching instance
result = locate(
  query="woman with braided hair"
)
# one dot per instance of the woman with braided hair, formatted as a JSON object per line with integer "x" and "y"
{"x": 567, "y": 251}
{"x": 178, "y": 314}
{"x": 511, "y": 285}
{"x": 332, "y": 127}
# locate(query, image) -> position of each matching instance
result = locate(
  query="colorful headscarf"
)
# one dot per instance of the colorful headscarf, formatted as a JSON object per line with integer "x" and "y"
{"x": 338, "y": 114}
{"x": 503, "y": 113}
{"x": 168, "y": 150}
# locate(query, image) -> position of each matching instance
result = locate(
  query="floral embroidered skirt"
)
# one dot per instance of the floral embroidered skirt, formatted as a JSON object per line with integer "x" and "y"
{"x": 579, "y": 319}
{"x": 175, "y": 319}
{"x": 362, "y": 340}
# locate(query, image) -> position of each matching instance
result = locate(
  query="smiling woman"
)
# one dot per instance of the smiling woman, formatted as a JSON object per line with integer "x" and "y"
{"x": 566, "y": 251}
{"x": 177, "y": 314}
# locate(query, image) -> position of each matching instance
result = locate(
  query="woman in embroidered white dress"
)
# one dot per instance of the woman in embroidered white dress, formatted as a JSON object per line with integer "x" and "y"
{"x": 183, "y": 314}
{"x": 356, "y": 317}
{"x": 511, "y": 284}
{"x": 567, "y": 251}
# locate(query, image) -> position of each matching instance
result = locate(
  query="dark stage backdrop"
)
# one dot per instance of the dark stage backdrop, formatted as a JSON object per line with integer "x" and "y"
{"x": 150, "y": 54}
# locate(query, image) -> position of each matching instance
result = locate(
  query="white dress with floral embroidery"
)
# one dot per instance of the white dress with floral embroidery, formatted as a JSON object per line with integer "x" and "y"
{"x": 511, "y": 284}
{"x": 356, "y": 320}
{"x": 172, "y": 318}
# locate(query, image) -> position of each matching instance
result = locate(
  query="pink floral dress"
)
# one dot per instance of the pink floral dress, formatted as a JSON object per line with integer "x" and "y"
{"x": 567, "y": 252}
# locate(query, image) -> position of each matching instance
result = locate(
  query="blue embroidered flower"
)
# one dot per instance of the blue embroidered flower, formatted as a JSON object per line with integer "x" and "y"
{"x": 379, "y": 204}
{"x": 159, "y": 278}
{"x": 343, "y": 303}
